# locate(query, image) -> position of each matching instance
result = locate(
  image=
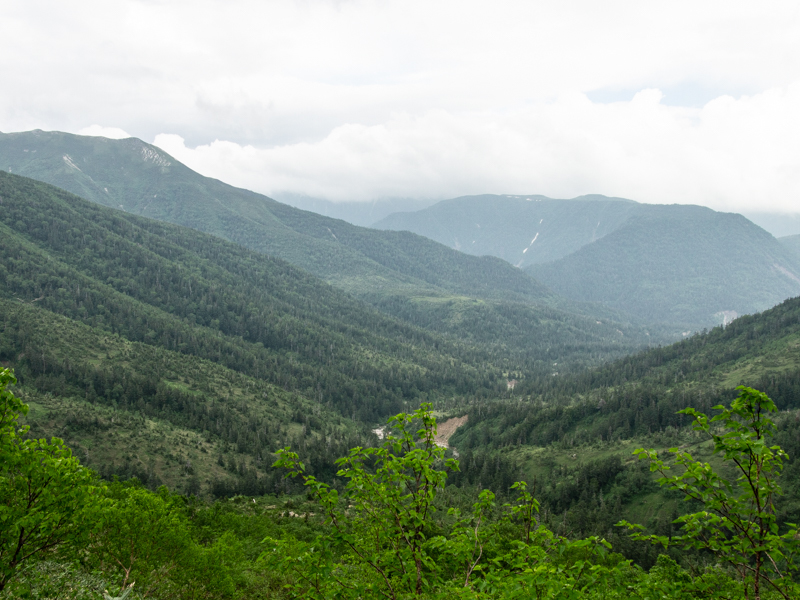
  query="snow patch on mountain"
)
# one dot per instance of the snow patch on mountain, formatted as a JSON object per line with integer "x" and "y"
{"x": 150, "y": 155}
{"x": 68, "y": 160}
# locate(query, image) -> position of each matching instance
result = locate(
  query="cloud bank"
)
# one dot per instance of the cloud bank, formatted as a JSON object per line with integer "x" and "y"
{"x": 731, "y": 154}
{"x": 112, "y": 133}
{"x": 357, "y": 99}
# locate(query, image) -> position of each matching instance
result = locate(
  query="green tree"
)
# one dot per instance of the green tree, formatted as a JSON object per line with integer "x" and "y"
{"x": 738, "y": 523}
{"x": 386, "y": 525}
{"x": 380, "y": 538}
{"x": 142, "y": 537}
{"x": 45, "y": 494}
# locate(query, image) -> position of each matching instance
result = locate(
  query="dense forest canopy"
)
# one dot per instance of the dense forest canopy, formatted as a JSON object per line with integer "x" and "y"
{"x": 387, "y": 533}
{"x": 404, "y": 275}
{"x": 167, "y": 370}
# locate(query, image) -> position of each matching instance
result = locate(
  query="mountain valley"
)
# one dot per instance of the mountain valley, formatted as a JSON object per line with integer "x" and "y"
{"x": 404, "y": 275}
{"x": 166, "y": 355}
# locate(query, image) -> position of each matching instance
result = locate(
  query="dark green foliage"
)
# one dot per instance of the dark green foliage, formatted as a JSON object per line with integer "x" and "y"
{"x": 678, "y": 264}
{"x": 527, "y": 339}
{"x": 642, "y": 393}
{"x": 128, "y": 384}
{"x": 168, "y": 314}
{"x": 403, "y": 274}
{"x": 195, "y": 294}
{"x": 568, "y": 430}
{"x": 293, "y": 339}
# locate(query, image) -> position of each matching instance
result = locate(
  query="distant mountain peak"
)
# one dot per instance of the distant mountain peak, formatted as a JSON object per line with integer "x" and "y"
{"x": 676, "y": 263}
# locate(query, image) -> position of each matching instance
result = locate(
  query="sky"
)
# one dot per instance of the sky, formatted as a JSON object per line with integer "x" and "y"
{"x": 667, "y": 102}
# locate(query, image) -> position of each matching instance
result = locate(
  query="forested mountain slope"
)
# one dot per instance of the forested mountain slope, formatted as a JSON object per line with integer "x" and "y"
{"x": 574, "y": 436}
{"x": 101, "y": 309}
{"x": 522, "y": 230}
{"x": 135, "y": 409}
{"x": 679, "y": 264}
{"x": 478, "y": 300}
{"x": 197, "y": 294}
{"x": 176, "y": 356}
{"x": 179, "y": 296}
{"x": 144, "y": 180}
{"x": 642, "y": 393}
{"x": 684, "y": 265}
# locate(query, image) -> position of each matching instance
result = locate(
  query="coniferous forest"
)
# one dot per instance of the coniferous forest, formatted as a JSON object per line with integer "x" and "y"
{"x": 184, "y": 417}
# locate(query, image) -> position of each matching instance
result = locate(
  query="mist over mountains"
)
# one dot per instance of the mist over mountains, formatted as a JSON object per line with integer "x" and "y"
{"x": 363, "y": 214}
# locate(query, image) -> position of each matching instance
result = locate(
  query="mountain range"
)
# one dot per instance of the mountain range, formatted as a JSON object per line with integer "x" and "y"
{"x": 476, "y": 299}
{"x": 678, "y": 264}
{"x": 179, "y": 357}
{"x": 142, "y": 179}
{"x": 107, "y": 315}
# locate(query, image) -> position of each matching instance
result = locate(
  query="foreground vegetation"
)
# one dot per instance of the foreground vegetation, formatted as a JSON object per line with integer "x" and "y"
{"x": 387, "y": 527}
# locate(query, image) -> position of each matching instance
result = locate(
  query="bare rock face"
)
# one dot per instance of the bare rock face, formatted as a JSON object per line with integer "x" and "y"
{"x": 447, "y": 429}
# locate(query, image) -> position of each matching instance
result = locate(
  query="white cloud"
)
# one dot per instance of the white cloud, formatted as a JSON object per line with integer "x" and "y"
{"x": 114, "y": 133}
{"x": 731, "y": 154}
{"x": 354, "y": 98}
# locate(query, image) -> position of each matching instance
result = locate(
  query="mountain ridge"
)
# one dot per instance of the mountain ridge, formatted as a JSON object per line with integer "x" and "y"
{"x": 650, "y": 261}
{"x": 510, "y": 227}
{"x": 402, "y": 274}
{"x": 143, "y": 179}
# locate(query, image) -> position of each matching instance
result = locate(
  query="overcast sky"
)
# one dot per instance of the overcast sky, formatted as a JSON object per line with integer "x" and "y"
{"x": 658, "y": 101}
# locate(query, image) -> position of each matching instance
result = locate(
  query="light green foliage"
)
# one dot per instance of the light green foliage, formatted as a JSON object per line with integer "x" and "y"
{"x": 385, "y": 523}
{"x": 382, "y": 538}
{"x": 384, "y": 534}
{"x": 45, "y": 494}
{"x": 146, "y": 538}
{"x": 11, "y": 408}
{"x": 738, "y": 522}
{"x": 143, "y": 537}
{"x": 536, "y": 563}
{"x": 122, "y": 596}
{"x": 54, "y": 580}
{"x": 470, "y": 536}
